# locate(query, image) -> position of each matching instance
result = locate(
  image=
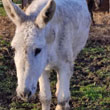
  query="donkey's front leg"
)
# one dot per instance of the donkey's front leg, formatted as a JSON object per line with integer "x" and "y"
{"x": 63, "y": 84}
{"x": 45, "y": 93}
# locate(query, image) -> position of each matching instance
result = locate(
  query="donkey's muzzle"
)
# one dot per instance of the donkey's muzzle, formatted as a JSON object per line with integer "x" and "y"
{"x": 25, "y": 95}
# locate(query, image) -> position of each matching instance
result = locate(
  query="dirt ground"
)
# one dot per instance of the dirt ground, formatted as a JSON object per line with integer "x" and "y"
{"x": 7, "y": 28}
{"x": 99, "y": 35}
{"x": 101, "y": 27}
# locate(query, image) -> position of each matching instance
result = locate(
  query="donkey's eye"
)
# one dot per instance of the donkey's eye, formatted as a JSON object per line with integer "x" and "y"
{"x": 37, "y": 51}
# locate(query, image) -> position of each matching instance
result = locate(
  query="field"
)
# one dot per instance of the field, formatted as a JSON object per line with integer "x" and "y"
{"x": 90, "y": 84}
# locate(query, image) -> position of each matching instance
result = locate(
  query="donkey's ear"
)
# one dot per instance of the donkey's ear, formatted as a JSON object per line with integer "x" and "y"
{"x": 14, "y": 12}
{"x": 46, "y": 14}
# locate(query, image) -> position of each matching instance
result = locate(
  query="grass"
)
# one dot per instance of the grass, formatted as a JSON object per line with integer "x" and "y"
{"x": 2, "y": 11}
{"x": 90, "y": 88}
{"x": 17, "y": 1}
{"x": 92, "y": 70}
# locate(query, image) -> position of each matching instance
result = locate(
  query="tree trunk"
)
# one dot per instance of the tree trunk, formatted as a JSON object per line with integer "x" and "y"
{"x": 109, "y": 6}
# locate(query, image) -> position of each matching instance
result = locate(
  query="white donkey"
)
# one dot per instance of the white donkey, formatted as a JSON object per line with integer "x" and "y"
{"x": 49, "y": 35}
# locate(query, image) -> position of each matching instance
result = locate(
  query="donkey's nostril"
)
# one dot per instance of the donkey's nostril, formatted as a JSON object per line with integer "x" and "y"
{"x": 29, "y": 94}
{"x": 26, "y": 93}
{"x": 22, "y": 95}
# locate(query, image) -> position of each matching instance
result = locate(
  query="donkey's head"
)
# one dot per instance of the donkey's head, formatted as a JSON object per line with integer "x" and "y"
{"x": 30, "y": 45}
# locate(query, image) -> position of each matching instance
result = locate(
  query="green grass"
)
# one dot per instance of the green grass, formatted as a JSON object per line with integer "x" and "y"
{"x": 17, "y": 1}
{"x": 92, "y": 71}
{"x": 2, "y": 11}
{"x": 90, "y": 84}
{"x": 92, "y": 92}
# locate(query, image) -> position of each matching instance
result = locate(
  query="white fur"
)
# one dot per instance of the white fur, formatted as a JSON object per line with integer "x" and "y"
{"x": 60, "y": 40}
